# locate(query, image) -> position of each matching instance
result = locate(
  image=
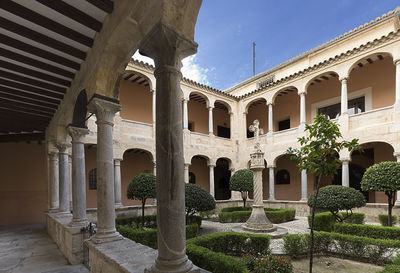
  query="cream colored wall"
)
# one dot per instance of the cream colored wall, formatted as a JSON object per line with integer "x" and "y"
{"x": 290, "y": 191}
{"x": 23, "y": 185}
{"x": 198, "y": 114}
{"x": 287, "y": 106}
{"x": 132, "y": 165}
{"x": 380, "y": 75}
{"x": 136, "y": 101}
{"x": 201, "y": 171}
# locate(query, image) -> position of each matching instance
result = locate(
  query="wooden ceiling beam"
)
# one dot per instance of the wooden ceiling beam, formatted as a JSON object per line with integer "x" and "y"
{"x": 12, "y": 97}
{"x": 25, "y": 89}
{"x": 22, "y": 137}
{"x": 105, "y": 5}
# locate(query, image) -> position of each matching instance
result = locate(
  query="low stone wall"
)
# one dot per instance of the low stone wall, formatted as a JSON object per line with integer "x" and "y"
{"x": 122, "y": 256}
{"x": 125, "y": 211}
{"x": 68, "y": 239}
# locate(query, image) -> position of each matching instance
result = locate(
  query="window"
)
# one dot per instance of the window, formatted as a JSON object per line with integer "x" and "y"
{"x": 282, "y": 177}
{"x": 355, "y": 106}
{"x": 192, "y": 178}
{"x": 93, "y": 179}
{"x": 284, "y": 124}
{"x": 223, "y": 131}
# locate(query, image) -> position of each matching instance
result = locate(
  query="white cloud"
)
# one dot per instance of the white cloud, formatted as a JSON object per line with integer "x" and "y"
{"x": 190, "y": 68}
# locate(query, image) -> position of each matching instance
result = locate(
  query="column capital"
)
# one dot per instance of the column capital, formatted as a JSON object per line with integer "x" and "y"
{"x": 345, "y": 160}
{"x": 302, "y": 93}
{"x": 271, "y": 166}
{"x": 185, "y": 100}
{"x": 344, "y": 79}
{"x": 396, "y": 61}
{"x": 63, "y": 147}
{"x": 167, "y": 47}
{"x": 210, "y": 108}
{"x": 153, "y": 91}
{"x": 104, "y": 108}
{"x": 187, "y": 165}
{"x": 53, "y": 154}
{"x": 211, "y": 165}
{"x": 270, "y": 103}
{"x": 117, "y": 161}
{"x": 77, "y": 133}
{"x": 396, "y": 154}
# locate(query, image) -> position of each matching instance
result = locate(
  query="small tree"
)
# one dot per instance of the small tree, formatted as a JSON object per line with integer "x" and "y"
{"x": 336, "y": 198}
{"x": 242, "y": 181}
{"x": 197, "y": 199}
{"x": 141, "y": 187}
{"x": 384, "y": 176}
{"x": 318, "y": 155}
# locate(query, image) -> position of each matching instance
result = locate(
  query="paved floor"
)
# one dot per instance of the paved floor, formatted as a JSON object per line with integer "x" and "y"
{"x": 28, "y": 249}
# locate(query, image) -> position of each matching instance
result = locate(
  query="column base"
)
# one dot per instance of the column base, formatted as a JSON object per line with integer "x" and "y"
{"x": 118, "y": 205}
{"x": 78, "y": 223}
{"x": 182, "y": 265}
{"x": 304, "y": 199}
{"x": 100, "y": 238}
{"x": 258, "y": 221}
{"x": 397, "y": 203}
{"x": 63, "y": 214}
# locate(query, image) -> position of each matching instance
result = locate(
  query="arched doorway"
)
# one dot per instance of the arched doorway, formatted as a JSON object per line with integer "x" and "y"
{"x": 222, "y": 175}
{"x": 199, "y": 172}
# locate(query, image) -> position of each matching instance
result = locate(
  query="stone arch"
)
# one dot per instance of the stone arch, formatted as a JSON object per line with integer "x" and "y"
{"x": 199, "y": 166}
{"x": 286, "y": 109}
{"x": 320, "y": 77}
{"x": 257, "y": 109}
{"x": 283, "y": 90}
{"x": 372, "y": 57}
{"x": 287, "y": 188}
{"x": 222, "y": 175}
{"x": 80, "y": 110}
{"x": 198, "y": 116}
{"x": 222, "y": 119}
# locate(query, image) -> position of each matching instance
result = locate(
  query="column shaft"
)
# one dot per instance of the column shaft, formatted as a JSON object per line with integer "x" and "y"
{"x": 186, "y": 174}
{"x": 53, "y": 181}
{"x": 212, "y": 186}
{"x": 185, "y": 114}
{"x": 117, "y": 182}
{"x": 304, "y": 194}
{"x": 270, "y": 119}
{"x": 344, "y": 103}
{"x": 105, "y": 111}
{"x": 397, "y": 155}
{"x": 63, "y": 178}
{"x": 397, "y": 103}
{"x": 153, "y": 105}
{"x": 210, "y": 120}
{"x": 302, "y": 109}
{"x": 345, "y": 173}
{"x": 78, "y": 176}
{"x": 271, "y": 183}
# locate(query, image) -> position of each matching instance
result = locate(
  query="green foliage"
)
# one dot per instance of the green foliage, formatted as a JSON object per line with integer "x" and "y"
{"x": 197, "y": 199}
{"x": 148, "y": 236}
{"x": 335, "y": 198}
{"x": 371, "y": 231}
{"x": 392, "y": 268}
{"x": 142, "y": 186}
{"x": 242, "y": 180}
{"x": 384, "y": 176}
{"x": 325, "y": 221}
{"x": 376, "y": 251}
{"x": 211, "y": 251}
{"x": 268, "y": 263}
{"x": 150, "y": 221}
{"x": 383, "y": 219}
{"x": 240, "y": 215}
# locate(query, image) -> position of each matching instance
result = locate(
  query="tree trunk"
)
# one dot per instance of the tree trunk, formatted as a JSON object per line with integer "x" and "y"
{"x": 390, "y": 196}
{"x": 143, "y": 204}
{"x": 244, "y": 197}
{"x": 312, "y": 223}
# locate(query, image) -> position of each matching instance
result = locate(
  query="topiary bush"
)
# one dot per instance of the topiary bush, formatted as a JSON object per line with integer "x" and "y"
{"x": 384, "y": 176}
{"x": 150, "y": 221}
{"x": 142, "y": 187}
{"x": 241, "y": 215}
{"x": 384, "y": 219}
{"x": 325, "y": 221}
{"x": 335, "y": 198}
{"x": 242, "y": 180}
{"x": 197, "y": 199}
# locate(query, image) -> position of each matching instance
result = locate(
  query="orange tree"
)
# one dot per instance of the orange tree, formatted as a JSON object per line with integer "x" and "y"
{"x": 318, "y": 155}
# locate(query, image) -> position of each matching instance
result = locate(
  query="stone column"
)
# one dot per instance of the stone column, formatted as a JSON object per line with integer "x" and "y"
{"x": 54, "y": 181}
{"x": 345, "y": 172}
{"x": 397, "y": 156}
{"x": 186, "y": 175}
{"x": 270, "y": 119}
{"x": 302, "y": 110}
{"x": 212, "y": 186}
{"x": 185, "y": 114}
{"x": 271, "y": 169}
{"x": 70, "y": 179}
{"x": 168, "y": 48}
{"x": 210, "y": 120}
{"x": 63, "y": 178}
{"x": 258, "y": 221}
{"x": 78, "y": 176}
{"x": 344, "y": 103}
{"x": 154, "y": 168}
{"x": 397, "y": 103}
{"x": 304, "y": 195}
{"x": 153, "y": 105}
{"x": 231, "y": 122}
{"x": 105, "y": 109}
{"x": 117, "y": 182}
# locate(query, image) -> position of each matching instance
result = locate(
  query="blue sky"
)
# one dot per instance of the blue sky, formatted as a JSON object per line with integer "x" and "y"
{"x": 281, "y": 29}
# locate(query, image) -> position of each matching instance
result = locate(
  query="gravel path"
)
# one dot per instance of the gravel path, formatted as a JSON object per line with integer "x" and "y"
{"x": 297, "y": 226}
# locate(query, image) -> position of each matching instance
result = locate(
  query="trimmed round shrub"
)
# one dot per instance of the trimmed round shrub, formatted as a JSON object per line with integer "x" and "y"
{"x": 197, "y": 199}
{"x": 141, "y": 187}
{"x": 242, "y": 180}
{"x": 384, "y": 176}
{"x": 335, "y": 198}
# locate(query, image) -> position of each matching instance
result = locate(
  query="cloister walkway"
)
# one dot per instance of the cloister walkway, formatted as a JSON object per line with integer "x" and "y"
{"x": 28, "y": 249}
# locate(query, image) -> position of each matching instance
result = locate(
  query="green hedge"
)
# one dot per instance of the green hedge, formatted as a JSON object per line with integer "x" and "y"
{"x": 240, "y": 215}
{"x": 378, "y": 251}
{"x": 383, "y": 219}
{"x": 211, "y": 252}
{"x": 150, "y": 221}
{"x": 325, "y": 221}
{"x": 376, "y": 232}
{"x": 148, "y": 236}
{"x": 393, "y": 268}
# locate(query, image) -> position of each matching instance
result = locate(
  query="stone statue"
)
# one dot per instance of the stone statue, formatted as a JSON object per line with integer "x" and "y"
{"x": 255, "y": 127}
